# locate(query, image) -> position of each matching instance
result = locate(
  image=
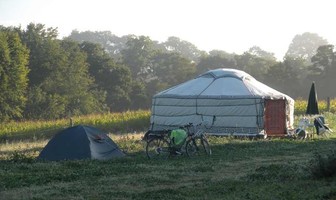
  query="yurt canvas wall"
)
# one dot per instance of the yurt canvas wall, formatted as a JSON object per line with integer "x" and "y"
{"x": 239, "y": 104}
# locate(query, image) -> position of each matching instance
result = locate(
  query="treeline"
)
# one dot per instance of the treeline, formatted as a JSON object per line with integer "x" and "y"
{"x": 43, "y": 77}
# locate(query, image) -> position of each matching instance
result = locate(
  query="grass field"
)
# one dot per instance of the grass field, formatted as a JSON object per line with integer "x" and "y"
{"x": 238, "y": 169}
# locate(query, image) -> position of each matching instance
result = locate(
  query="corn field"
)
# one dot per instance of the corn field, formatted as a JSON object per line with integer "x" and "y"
{"x": 126, "y": 122}
{"x": 301, "y": 106}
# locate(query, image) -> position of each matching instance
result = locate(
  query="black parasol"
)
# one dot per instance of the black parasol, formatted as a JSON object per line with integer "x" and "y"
{"x": 312, "y": 107}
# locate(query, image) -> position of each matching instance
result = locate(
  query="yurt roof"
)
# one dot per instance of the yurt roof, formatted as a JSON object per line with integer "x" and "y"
{"x": 223, "y": 83}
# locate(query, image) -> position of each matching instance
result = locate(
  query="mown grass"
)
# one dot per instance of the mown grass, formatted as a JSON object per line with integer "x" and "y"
{"x": 238, "y": 169}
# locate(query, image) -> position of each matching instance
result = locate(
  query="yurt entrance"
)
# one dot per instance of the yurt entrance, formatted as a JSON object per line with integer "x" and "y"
{"x": 275, "y": 117}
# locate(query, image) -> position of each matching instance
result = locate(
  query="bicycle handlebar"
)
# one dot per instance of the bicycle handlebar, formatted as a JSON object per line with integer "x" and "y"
{"x": 190, "y": 124}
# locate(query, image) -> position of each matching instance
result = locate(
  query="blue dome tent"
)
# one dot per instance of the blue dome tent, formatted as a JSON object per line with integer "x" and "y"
{"x": 80, "y": 142}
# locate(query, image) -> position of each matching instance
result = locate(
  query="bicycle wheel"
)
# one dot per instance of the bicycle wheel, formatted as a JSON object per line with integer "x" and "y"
{"x": 191, "y": 148}
{"x": 301, "y": 134}
{"x": 157, "y": 148}
{"x": 206, "y": 147}
{"x": 198, "y": 147}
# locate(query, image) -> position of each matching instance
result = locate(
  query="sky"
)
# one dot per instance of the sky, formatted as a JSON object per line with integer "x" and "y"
{"x": 229, "y": 25}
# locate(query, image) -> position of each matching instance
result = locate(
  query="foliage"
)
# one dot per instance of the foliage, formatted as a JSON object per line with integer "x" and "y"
{"x": 114, "y": 45}
{"x": 110, "y": 42}
{"x": 41, "y": 105}
{"x": 138, "y": 55}
{"x": 44, "y": 51}
{"x": 184, "y": 48}
{"x": 75, "y": 84}
{"x": 304, "y": 46}
{"x": 170, "y": 69}
{"x": 253, "y": 63}
{"x": 258, "y": 52}
{"x": 110, "y": 77}
{"x": 139, "y": 97}
{"x": 215, "y": 60}
{"x": 289, "y": 72}
{"x": 323, "y": 60}
{"x": 60, "y": 83}
{"x": 155, "y": 68}
{"x": 13, "y": 75}
{"x": 93, "y": 72}
{"x": 323, "y": 69}
{"x": 44, "y": 62}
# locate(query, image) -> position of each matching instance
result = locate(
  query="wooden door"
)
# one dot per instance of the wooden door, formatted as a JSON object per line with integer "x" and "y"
{"x": 275, "y": 117}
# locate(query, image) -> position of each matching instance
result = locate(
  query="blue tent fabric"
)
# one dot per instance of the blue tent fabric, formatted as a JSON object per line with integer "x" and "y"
{"x": 80, "y": 142}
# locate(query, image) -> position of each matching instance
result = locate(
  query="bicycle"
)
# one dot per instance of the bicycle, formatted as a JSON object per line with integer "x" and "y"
{"x": 160, "y": 145}
{"x": 157, "y": 144}
{"x": 197, "y": 144}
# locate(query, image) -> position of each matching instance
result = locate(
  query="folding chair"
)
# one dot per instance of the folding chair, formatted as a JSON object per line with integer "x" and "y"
{"x": 320, "y": 126}
{"x": 302, "y": 132}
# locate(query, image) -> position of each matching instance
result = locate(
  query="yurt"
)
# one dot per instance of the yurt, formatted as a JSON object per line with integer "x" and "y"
{"x": 232, "y": 101}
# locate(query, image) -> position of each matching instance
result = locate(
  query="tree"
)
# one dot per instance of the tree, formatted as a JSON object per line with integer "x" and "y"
{"x": 323, "y": 61}
{"x": 256, "y": 62}
{"x": 304, "y": 46}
{"x": 59, "y": 78}
{"x": 111, "y": 77}
{"x": 185, "y": 48}
{"x": 110, "y": 42}
{"x": 171, "y": 69}
{"x": 44, "y": 51}
{"x": 140, "y": 99}
{"x": 323, "y": 70}
{"x": 215, "y": 59}
{"x": 287, "y": 77}
{"x": 45, "y": 57}
{"x": 13, "y": 74}
{"x": 168, "y": 69}
{"x": 258, "y": 52}
{"x": 73, "y": 81}
{"x": 138, "y": 56}
{"x": 43, "y": 105}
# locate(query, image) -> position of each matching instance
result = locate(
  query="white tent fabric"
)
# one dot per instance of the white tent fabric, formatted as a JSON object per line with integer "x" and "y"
{"x": 233, "y": 96}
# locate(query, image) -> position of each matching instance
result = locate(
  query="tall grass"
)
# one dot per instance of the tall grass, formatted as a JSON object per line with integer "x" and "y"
{"x": 126, "y": 122}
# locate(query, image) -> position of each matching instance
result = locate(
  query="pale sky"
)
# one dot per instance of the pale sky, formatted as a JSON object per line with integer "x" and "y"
{"x": 230, "y": 25}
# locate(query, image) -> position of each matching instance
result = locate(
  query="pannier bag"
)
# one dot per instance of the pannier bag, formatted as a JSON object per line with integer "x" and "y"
{"x": 178, "y": 137}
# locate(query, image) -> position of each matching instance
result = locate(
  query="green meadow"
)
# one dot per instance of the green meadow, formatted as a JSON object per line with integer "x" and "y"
{"x": 239, "y": 168}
